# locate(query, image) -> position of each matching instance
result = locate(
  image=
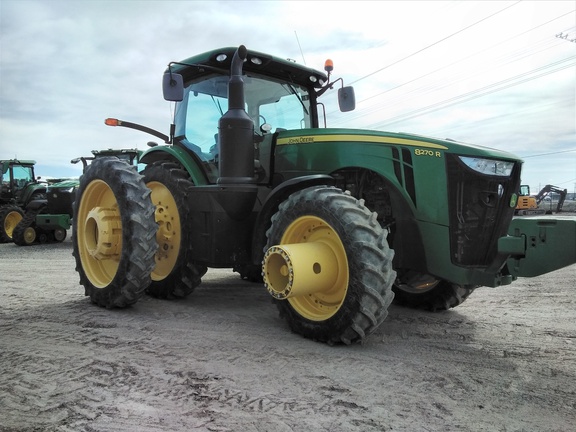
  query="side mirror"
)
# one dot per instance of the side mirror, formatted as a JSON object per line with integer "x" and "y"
{"x": 346, "y": 99}
{"x": 173, "y": 87}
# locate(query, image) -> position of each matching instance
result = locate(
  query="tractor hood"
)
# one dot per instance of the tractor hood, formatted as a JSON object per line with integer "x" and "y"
{"x": 304, "y": 136}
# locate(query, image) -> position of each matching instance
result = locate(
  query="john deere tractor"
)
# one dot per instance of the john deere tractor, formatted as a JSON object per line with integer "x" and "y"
{"x": 335, "y": 222}
{"x": 18, "y": 186}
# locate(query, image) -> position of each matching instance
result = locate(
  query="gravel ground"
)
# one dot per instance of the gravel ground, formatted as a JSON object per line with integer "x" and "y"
{"x": 222, "y": 360}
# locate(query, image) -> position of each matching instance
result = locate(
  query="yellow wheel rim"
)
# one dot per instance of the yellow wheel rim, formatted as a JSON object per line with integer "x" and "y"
{"x": 169, "y": 230}
{"x": 29, "y": 235}
{"x": 99, "y": 233}
{"x": 320, "y": 305}
{"x": 12, "y": 219}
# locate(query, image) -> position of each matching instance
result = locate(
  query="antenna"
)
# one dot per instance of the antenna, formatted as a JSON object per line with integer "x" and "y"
{"x": 299, "y": 46}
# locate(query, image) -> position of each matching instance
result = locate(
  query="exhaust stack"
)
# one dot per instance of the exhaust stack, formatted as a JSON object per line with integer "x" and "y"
{"x": 236, "y": 130}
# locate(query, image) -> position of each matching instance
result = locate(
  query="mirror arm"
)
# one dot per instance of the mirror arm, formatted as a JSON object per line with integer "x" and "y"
{"x": 329, "y": 86}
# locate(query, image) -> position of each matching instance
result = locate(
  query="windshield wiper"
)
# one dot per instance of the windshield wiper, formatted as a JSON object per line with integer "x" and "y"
{"x": 217, "y": 103}
{"x": 295, "y": 93}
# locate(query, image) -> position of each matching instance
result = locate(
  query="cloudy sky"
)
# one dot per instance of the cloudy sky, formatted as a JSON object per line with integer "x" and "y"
{"x": 500, "y": 74}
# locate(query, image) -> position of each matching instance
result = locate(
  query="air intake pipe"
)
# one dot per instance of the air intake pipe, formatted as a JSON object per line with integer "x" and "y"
{"x": 236, "y": 130}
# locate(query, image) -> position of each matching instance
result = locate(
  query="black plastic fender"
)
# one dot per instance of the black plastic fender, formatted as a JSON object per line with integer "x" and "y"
{"x": 279, "y": 194}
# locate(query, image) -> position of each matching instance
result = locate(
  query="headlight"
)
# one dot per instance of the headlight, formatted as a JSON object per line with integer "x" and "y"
{"x": 488, "y": 166}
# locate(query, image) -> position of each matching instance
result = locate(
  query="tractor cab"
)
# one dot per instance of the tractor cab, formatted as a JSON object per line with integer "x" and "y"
{"x": 16, "y": 176}
{"x": 278, "y": 95}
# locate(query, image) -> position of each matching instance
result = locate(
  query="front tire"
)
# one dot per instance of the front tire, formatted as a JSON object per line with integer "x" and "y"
{"x": 357, "y": 303}
{"x": 421, "y": 291}
{"x": 174, "y": 276}
{"x": 113, "y": 233}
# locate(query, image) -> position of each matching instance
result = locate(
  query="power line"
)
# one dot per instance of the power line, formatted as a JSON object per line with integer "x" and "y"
{"x": 545, "y": 43}
{"x": 547, "y": 154}
{"x": 435, "y": 43}
{"x": 489, "y": 89}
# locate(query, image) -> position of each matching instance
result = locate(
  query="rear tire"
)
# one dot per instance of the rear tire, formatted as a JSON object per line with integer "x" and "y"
{"x": 10, "y": 217}
{"x": 113, "y": 233}
{"x": 174, "y": 276}
{"x": 419, "y": 291}
{"x": 358, "y": 302}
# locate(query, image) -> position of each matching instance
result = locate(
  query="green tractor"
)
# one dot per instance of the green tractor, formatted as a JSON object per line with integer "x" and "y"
{"x": 48, "y": 218}
{"x": 336, "y": 222}
{"x": 18, "y": 187}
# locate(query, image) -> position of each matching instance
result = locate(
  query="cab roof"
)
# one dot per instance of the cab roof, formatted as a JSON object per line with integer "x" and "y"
{"x": 219, "y": 60}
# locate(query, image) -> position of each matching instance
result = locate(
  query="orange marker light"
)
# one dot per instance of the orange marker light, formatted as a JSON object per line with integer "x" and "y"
{"x": 112, "y": 122}
{"x": 328, "y": 65}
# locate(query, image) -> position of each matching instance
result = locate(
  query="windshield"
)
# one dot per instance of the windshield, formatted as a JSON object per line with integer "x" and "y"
{"x": 22, "y": 176}
{"x": 278, "y": 104}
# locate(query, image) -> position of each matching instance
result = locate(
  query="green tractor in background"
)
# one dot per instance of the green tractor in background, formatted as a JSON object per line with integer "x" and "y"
{"x": 48, "y": 218}
{"x": 335, "y": 222}
{"x": 18, "y": 187}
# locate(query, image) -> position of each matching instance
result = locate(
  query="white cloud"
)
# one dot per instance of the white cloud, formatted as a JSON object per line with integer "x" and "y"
{"x": 67, "y": 65}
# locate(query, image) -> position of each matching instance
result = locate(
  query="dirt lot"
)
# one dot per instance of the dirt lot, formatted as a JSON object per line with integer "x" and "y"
{"x": 222, "y": 360}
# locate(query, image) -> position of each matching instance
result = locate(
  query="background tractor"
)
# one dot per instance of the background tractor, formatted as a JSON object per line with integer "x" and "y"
{"x": 335, "y": 222}
{"x": 18, "y": 186}
{"x": 48, "y": 218}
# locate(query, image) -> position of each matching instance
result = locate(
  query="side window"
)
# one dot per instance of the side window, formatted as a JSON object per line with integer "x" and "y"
{"x": 202, "y": 117}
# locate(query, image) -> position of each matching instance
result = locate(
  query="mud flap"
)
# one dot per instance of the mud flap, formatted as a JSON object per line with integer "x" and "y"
{"x": 539, "y": 245}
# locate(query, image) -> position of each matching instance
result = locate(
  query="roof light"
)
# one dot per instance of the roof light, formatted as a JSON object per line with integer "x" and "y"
{"x": 221, "y": 57}
{"x": 328, "y": 65}
{"x": 313, "y": 79}
{"x": 256, "y": 60}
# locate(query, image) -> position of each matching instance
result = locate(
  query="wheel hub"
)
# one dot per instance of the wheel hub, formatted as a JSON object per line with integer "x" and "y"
{"x": 299, "y": 269}
{"x": 166, "y": 235}
{"x": 29, "y": 235}
{"x": 103, "y": 233}
{"x": 308, "y": 268}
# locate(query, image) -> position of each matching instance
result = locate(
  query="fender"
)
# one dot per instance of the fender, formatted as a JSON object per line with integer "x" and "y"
{"x": 188, "y": 159}
{"x": 270, "y": 206}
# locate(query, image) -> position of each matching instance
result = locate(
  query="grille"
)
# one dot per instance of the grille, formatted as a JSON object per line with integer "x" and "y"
{"x": 479, "y": 212}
